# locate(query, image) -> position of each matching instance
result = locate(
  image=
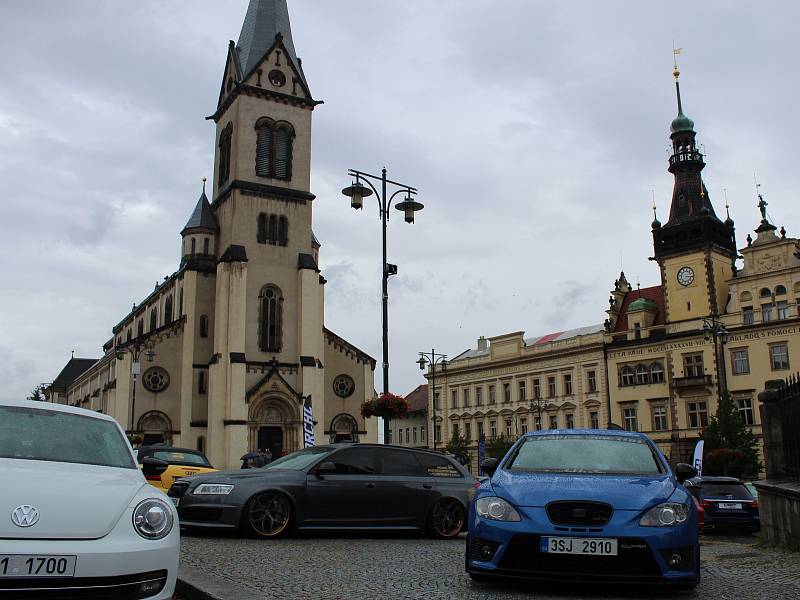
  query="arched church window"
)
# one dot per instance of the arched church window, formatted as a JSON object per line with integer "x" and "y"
{"x": 140, "y": 328}
{"x": 641, "y": 375}
{"x": 283, "y": 153}
{"x": 153, "y": 319}
{"x": 128, "y": 335}
{"x": 283, "y": 231}
{"x": 264, "y": 148}
{"x": 274, "y": 148}
{"x": 224, "y": 169}
{"x": 261, "y": 236}
{"x": 168, "y": 310}
{"x": 203, "y": 326}
{"x": 270, "y": 325}
{"x": 272, "y": 231}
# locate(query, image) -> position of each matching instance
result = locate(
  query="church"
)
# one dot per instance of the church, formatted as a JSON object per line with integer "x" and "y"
{"x": 226, "y": 353}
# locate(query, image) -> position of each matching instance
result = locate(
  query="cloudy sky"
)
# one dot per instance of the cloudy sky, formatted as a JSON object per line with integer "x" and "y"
{"x": 535, "y": 132}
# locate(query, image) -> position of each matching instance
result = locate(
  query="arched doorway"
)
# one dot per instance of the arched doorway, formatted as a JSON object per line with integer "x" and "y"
{"x": 155, "y": 427}
{"x": 344, "y": 428}
{"x": 273, "y": 424}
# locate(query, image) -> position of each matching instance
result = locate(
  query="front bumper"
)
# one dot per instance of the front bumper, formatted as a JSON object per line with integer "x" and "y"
{"x": 121, "y": 565}
{"x": 512, "y": 549}
{"x": 206, "y": 512}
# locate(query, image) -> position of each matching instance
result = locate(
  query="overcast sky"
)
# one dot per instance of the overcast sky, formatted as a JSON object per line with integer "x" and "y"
{"x": 535, "y": 132}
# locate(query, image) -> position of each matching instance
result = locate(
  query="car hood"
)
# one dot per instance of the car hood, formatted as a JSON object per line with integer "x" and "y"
{"x": 623, "y": 492}
{"x": 74, "y": 501}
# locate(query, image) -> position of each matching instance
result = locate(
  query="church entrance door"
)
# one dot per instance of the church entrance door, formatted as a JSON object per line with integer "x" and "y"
{"x": 271, "y": 438}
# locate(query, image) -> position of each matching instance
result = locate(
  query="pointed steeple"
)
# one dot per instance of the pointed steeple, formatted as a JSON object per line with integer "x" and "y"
{"x": 202, "y": 215}
{"x": 265, "y": 19}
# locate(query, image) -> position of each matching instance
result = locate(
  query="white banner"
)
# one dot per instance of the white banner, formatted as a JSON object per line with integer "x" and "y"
{"x": 698, "y": 457}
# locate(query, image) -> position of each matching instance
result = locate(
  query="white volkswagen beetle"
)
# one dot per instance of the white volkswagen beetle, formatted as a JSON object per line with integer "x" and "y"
{"x": 77, "y": 516}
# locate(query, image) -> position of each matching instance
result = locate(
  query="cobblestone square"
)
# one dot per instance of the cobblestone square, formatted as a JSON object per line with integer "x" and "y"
{"x": 333, "y": 568}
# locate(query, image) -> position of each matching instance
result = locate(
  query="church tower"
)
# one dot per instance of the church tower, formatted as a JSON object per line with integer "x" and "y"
{"x": 268, "y": 318}
{"x": 694, "y": 248}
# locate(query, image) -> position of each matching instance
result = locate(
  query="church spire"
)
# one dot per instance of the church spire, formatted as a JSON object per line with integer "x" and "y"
{"x": 265, "y": 19}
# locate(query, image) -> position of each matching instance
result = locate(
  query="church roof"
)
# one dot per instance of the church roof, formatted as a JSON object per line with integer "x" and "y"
{"x": 202, "y": 216}
{"x": 654, "y": 294}
{"x": 71, "y": 371}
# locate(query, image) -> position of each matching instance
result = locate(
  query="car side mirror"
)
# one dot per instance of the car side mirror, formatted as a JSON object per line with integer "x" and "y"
{"x": 326, "y": 468}
{"x": 489, "y": 466}
{"x": 153, "y": 467}
{"x": 684, "y": 471}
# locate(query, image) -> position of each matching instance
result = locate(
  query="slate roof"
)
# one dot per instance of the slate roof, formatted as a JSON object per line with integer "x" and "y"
{"x": 654, "y": 294}
{"x": 71, "y": 371}
{"x": 418, "y": 399}
{"x": 539, "y": 340}
{"x": 202, "y": 216}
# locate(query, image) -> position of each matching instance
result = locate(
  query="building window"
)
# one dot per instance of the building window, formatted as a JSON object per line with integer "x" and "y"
{"x": 408, "y": 435}
{"x": 693, "y": 365}
{"x": 261, "y": 235}
{"x": 422, "y": 434}
{"x": 264, "y": 149}
{"x": 271, "y": 302}
{"x": 637, "y": 331}
{"x": 780, "y": 290}
{"x": 468, "y": 431}
{"x": 140, "y": 328}
{"x": 479, "y": 396}
{"x": 741, "y": 362}
{"x": 192, "y": 246}
{"x": 506, "y": 393}
{"x": 493, "y": 429}
{"x": 492, "y": 395}
{"x": 466, "y": 397}
{"x": 656, "y": 373}
{"x": 153, "y": 319}
{"x": 568, "y": 384}
{"x": 641, "y": 374}
{"x": 274, "y": 149}
{"x": 660, "y": 418}
{"x": 524, "y": 425}
{"x": 453, "y": 398}
{"x": 626, "y": 376}
{"x": 698, "y": 414}
{"x": 415, "y": 435}
{"x": 591, "y": 380}
{"x": 206, "y": 246}
{"x": 521, "y": 397}
{"x": 480, "y": 429}
{"x": 553, "y": 421}
{"x": 748, "y": 316}
{"x": 537, "y": 423}
{"x": 437, "y": 433}
{"x": 509, "y": 431}
{"x": 766, "y": 313}
{"x": 779, "y": 357}
{"x": 201, "y": 445}
{"x": 594, "y": 418}
{"x": 203, "y": 325}
{"x": 201, "y": 383}
{"x": 765, "y": 293}
{"x": 551, "y": 387}
{"x": 168, "y": 310}
{"x": 436, "y": 405}
{"x": 224, "y": 170}
{"x": 389, "y": 439}
{"x": 283, "y": 231}
{"x": 629, "y": 419}
{"x": 782, "y": 309}
{"x": 570, "y": 421}
{"x": 745, "y": 406}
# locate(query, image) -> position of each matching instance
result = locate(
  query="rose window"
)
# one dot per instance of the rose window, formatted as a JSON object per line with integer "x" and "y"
{"x": 155, "y": 379}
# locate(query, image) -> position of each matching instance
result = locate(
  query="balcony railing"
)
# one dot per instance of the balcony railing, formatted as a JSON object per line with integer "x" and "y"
{"x": 693, "y": 381}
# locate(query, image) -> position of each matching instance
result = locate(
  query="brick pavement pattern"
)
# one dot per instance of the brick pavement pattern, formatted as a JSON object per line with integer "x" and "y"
{"x": 406, "y": 568}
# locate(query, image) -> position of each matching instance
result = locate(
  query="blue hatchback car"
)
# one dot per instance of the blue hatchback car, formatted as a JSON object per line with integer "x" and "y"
{"x": 584, "y": 505}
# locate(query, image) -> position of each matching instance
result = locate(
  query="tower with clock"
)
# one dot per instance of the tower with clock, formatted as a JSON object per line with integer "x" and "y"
{"x": 694, "y": 248}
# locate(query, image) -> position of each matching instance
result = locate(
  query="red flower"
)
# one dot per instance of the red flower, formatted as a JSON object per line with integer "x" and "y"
{"x": 386, "y": 405}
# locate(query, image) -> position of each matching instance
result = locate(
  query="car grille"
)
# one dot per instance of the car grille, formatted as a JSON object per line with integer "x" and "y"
{"x": 178, "y": 489}
{"x": 634, "y": 561}
{"x": 570, "y": 512}
{"x": 123, "y": 587}
{"x": 199, "y": 513}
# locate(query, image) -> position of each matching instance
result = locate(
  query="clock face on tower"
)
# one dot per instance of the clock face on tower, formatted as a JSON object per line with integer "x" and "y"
{"x": 685, "y": 276}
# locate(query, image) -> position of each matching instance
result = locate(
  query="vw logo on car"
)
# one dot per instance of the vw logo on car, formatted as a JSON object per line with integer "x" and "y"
{"x": 25, "y": 515}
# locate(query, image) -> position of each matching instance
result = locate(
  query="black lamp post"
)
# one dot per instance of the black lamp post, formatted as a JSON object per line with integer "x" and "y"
{"x": 357, "y": 192}
{"x": 432, "y": 359}
{"x": 135, "y": 349}
{"x": 537, "y": 403}
{"x": 716, "y": 330}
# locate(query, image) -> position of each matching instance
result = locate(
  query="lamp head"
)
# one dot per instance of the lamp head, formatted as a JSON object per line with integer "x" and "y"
{"x": 357, "y": 192}
{"x": 421, "y": 363}
{"x": 409, "y": 206}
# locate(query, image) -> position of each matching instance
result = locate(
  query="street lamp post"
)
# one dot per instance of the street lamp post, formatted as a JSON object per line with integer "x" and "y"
{"x": 432, "y": 359}
{"x": 135, "y": 349}
{"x": 357, "y": 191}
{"x": 537, "y": 403}
{"x": 716, "y": 330}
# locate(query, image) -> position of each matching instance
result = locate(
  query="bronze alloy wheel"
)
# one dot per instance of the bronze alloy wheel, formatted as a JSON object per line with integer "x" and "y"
{"x": 447, "y": 518}
{"x": 268, "y": 514}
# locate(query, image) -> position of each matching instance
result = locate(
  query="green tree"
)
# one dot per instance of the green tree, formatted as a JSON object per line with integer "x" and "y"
{"x": 37, "y": 394}
{"x": 730, "y": 447}
{"x": 497, "y": 447}
{"x": 458, "y": 446}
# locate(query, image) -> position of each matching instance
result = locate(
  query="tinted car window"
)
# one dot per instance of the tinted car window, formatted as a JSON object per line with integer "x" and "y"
{"x": 585, "y": 454}
{"x": 355, "y": 461}
{"x": 181, "y": 458}
{"x": 297, "y": 461}
{"x": 400, "y": 462}
{"x": 723, "y": 490}
{"x": 437, "y": 466}
{"x": 41, "y": 434}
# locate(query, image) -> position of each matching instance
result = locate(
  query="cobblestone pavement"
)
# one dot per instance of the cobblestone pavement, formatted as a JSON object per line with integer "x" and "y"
{"x": 328, "y": 568}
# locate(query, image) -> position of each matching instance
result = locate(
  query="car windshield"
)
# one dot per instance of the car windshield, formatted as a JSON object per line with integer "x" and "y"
{"x": 297, "y": 461}
{"x": 725, "y": 490}
{"x": 174, "y": 457}
{"x": 50, "y": 435}
{"x": 600, "y": 454}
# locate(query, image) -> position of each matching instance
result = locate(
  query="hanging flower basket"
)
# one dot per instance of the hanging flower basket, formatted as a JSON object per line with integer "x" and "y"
{"x": 386, "y": 405}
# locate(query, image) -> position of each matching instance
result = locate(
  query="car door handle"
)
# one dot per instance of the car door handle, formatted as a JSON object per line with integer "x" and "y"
{"x": 369, "y": 485}
{"x": 427, "y": 486}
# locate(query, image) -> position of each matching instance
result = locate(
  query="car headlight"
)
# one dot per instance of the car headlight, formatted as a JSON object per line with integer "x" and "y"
{"x": 152, "y": 519}
{"x": 497, "y": 509}
{"x": 213, "y": 489}
{"x": 665, "y": 515}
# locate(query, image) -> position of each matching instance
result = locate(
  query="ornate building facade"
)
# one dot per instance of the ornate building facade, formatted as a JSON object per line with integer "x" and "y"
{"x": 224, "y": 353}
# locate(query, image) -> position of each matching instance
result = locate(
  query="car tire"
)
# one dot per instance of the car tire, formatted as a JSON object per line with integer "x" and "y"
{"x": 267, "y": 515}
{"x": 446, "y": 519}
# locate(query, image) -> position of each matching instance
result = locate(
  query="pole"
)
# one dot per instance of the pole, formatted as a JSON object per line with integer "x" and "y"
{"x": 385, "y": 303}
{"x": 133, "y": 405}
{"x": 433, "y": 399}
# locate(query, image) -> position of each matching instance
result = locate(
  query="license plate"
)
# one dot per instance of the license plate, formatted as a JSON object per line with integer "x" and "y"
{"x": 575, "y": 545}
{"x": 731, "y": 505}
{"x": 175, "y": 501}
{"x": 34, "y": 565}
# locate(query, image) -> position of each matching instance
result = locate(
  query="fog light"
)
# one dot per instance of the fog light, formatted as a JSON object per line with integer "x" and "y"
{"x": 487, "y": 552}
{"x": 675, "y": 562}
{"x": 150, "y": 588}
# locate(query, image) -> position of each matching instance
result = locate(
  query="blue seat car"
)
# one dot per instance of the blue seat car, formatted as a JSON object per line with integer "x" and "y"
{"x": 584, "y": 505}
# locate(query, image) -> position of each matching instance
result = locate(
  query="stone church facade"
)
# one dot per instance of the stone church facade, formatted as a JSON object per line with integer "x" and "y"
{"x": 224, "y": 353}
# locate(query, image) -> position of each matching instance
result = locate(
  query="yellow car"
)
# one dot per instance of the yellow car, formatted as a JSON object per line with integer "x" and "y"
{"x": 180, "y": 462}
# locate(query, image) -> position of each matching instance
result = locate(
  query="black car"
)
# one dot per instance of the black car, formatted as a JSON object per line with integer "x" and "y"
{"x": 727, "y": 503}
{"x": 338, "y": 486}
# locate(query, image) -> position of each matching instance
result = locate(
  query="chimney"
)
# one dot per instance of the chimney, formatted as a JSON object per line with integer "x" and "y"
{"x": 483, "y": 343}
